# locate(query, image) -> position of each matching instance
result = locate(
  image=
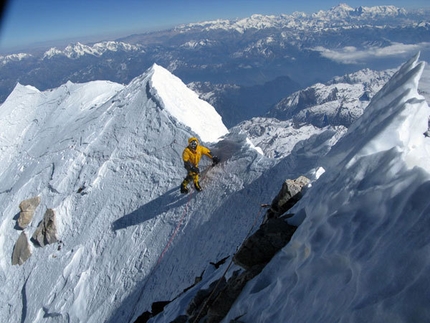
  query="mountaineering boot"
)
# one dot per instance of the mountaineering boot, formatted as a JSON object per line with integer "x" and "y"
{"x": 197, "y": 186}
{"x": 184, "y": 188}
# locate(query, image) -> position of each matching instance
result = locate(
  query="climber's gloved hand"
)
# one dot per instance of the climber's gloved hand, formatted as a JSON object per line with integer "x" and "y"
{"x": 215, "y": 160}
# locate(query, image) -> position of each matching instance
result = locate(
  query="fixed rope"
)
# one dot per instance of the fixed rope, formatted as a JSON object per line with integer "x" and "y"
{"x": 160, "y": 257}
{"x": 174, "y": 232}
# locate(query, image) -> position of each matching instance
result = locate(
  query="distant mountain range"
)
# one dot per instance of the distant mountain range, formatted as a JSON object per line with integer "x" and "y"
{"x": 285, "y": 53}
{"x": 110, "y": 238}
{"x": 338, "y": 102}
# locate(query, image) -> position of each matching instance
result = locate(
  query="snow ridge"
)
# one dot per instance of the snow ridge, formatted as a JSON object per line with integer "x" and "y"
{"x": 359, "y": 251}
{"x": 338, "y": 102}
{"x": 77, "y": 50}
{"x": 199, "y": 115}
{"x": 341, "y": 15}
{"x": 106, "y": 158}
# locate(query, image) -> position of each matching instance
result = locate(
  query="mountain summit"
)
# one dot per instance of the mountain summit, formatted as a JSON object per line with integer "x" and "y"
{"x": 101, "y": 164}
{"x": 93, "y": 153}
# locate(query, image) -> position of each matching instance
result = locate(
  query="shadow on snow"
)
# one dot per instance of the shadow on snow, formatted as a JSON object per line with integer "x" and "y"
{"x": 169, "y": 200}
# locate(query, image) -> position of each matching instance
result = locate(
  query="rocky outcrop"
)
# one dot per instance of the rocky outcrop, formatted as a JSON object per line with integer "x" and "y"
{"x": 21, "y": 250}
{"x": 157, "y": 307}
{"x": 27, "y": 208}
{"x": 46, "y": 232}
{"x": 212, "y": 305}
{"x": 228, "y": 295}
{"x": 260, "y": 248}
{"x": 290, "y": 193}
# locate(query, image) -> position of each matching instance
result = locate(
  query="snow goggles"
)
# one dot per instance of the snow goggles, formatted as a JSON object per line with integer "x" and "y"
{"x": 193, "y": 144}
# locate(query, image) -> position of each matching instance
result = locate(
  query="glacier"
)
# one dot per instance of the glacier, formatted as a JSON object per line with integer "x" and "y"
{"x": 107, "y": 158}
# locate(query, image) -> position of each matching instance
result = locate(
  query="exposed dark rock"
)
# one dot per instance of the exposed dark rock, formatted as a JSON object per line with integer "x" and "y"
{"x": 290, "y": 194}
{"x": 224, "y": 301}
{"x": 197, "y": 280}
{"x": 158, "y": 307}
{"x": 212, "y": 305}
{"x": 46, "y": 230}
{"x": 198, "y": 306}
{"x": 144, "y": 317}
{"x": 181, "y": 319}
{"x": 219, "y": 263}
{"x": 264, "y": 243}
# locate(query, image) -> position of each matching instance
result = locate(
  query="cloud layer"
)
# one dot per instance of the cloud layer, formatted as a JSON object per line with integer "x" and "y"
{"x": 353, "y": 55}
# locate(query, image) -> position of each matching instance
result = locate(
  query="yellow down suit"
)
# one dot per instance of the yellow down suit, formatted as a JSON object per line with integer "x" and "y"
{"x": 191, "y": 158}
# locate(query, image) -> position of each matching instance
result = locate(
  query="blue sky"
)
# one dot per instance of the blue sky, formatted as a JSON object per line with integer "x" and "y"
{"x": 27, "y": 22}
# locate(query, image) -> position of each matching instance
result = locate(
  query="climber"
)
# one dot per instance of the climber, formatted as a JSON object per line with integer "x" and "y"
{"x": 191, "y": 156}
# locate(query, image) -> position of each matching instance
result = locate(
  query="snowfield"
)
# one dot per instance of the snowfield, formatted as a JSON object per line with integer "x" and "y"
{"x": 107, "y": 159}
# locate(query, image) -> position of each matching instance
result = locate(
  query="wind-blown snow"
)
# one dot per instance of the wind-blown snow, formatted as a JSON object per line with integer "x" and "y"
{"x": 184, "y": 105}
{"x": 361, "y": 251}
{"x": 107, "y": 159}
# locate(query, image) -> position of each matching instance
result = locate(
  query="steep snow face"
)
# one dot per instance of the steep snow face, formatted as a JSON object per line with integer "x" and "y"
{"x": 35, "y": 122}
{"x": 107, "y": 159}
{"x": 361, "y": 250}
{"x": 184, "y": 105}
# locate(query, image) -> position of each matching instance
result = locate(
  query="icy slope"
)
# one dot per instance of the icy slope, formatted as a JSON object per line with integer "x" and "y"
{"x": 106, "y": 158}
{"x": 361, "y": 251}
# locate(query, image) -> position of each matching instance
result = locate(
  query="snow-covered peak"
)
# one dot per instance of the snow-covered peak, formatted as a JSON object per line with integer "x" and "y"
{"x": 185, "y": 105}
{"x": 339, "y": 15}
{"x": 106, "y": 158}
{"x": 77, "y": 50}
{"x": 338, "y": 102}
{"x": 340, "y": 11}
{"x": 360, "y": 251}
{"x": 396, "y": 118}
{"x": 344, "y": 11}
{"x": 52, "y": 52}
{"x": 342, "y": 7}
{"x": 380, "y": 11}
{"x": 14, "y": 57}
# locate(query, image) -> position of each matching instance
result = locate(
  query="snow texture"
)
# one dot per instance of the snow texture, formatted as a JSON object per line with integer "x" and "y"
{"x": 107, "y": 159}
{"x": 360, "y": 253}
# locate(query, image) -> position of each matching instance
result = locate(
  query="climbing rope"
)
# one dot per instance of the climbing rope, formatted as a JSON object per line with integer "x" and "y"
{"x": 160, "y": 257}
{"x": 174, "y": 232}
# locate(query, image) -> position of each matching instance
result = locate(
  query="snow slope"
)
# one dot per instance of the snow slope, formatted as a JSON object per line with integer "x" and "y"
{"x": 361, "y": 251}
{"x": 106, "y": 158}
{"x": 185, "y": 106}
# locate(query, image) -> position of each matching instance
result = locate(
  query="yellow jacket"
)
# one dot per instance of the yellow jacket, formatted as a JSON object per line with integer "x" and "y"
{"x": 194, "y": 156}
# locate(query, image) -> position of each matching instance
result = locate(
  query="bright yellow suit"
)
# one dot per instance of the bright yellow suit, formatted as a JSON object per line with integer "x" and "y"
{"x": 191, "y": 158}
{"x": 194, "y": 156}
